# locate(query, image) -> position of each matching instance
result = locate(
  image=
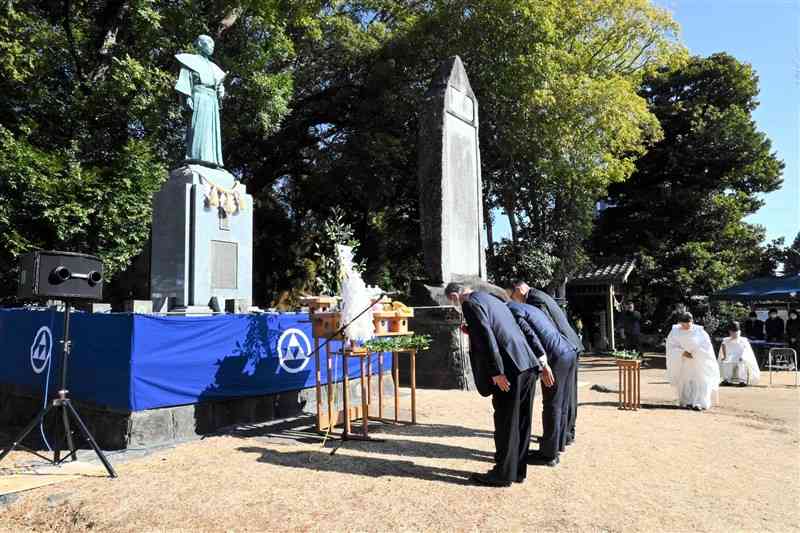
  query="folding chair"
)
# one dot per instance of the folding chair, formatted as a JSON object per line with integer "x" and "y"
{"x": 782, "y": 359}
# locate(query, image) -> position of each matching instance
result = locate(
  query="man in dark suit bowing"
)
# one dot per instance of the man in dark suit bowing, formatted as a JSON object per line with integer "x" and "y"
{"x": 505, "y": 368}
{"x": 559, "y": 358}
{"x": 522, "y": 293}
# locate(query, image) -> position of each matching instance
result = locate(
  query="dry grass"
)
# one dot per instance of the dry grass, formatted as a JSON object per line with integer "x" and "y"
{"x": 659, "y": 469}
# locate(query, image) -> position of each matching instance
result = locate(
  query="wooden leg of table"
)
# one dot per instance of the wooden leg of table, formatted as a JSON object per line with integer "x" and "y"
{"x": 364, "y": 403}
{"x": 631, "y": 388}
{"x": 331, "y": 383}
{"x": 380, "y": 385}
{"x": 396, "y": 378}
{"x": 318, "y": 376}
{"x": 619, "y": 386}
{"x": 345, "y": 396}
{"x": 625, "y": 388}
{"x": 413, "y": 387}
{"x": 369, "y": 379}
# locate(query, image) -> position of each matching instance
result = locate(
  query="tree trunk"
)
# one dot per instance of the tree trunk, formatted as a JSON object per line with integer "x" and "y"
{"x": 488, "y": 220}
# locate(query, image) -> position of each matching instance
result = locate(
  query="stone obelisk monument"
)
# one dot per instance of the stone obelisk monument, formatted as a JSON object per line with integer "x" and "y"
{"x": 451, "y": 220}
{"x": 449, "y": 170}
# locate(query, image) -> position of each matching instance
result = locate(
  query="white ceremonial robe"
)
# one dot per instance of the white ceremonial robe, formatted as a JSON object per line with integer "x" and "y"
{"x": 696, "y": 378}
{"x": 737, "y": 362}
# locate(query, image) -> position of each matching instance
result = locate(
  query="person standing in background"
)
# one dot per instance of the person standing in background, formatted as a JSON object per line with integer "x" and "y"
{"x": 753, "y": 327}
{"x": 793, "y": 330}
{"x": 632, "y": 326}
{"x": 773, "y": 327}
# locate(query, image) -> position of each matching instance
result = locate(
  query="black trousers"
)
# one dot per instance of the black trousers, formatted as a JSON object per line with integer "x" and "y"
{"x": 512, "y": 427}
{"x": 633, "y": 342}
{"x": 557, "y": 401}
{"x": 573, "y": 404}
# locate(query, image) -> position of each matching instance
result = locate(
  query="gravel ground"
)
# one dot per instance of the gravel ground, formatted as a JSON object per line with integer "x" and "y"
{"x": 734, "y": 468}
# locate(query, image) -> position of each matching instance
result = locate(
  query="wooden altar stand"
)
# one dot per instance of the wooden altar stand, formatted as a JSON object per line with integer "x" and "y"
{"x": 327, "y": 422}
{"x": 325, "y": 325}
{"x": 630, "y": 391}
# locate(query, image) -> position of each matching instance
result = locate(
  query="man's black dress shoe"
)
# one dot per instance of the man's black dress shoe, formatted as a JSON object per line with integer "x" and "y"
{"x": 533, "y": 456}
{"x": 545, "y": 461}
{"x": 488, "y": 480}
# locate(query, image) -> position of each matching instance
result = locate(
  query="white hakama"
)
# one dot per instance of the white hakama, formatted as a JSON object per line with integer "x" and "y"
{"x": 737, "y": 362}
{"x": 696, "y": 378}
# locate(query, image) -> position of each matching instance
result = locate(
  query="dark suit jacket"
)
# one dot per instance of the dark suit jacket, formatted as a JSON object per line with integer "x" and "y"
{"x": 753, "y": 329}
{"x": 541, "y": 333}
{"x": 545, "y": 303}
{"x": 497, "y": 345}
{"x": 773, "y": 327}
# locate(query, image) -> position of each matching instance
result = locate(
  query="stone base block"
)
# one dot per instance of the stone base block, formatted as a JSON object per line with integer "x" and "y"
{"x": 117, "y": 430}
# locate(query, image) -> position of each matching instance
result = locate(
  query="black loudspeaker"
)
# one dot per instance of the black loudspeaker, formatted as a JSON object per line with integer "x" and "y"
{"x": 60, "y": 276}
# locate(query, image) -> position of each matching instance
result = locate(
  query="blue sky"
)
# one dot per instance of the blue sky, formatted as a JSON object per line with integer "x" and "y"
{"x": 765, "y": 34}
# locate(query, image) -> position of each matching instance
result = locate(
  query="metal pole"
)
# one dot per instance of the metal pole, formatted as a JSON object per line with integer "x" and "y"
{"x": 66, "y": 348}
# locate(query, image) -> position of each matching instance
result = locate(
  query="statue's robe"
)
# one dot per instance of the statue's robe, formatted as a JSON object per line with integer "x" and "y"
{"x": 201, "y": 81}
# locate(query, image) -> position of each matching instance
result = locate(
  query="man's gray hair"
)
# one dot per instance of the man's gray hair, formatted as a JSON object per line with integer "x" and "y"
{"x": 456, "y": 288}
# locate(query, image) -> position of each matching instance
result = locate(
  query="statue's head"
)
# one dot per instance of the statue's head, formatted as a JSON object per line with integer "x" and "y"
{"x": 205, "y": 44}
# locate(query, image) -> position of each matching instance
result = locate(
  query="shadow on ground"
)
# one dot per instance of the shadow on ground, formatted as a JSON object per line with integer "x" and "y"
{"x": 322, "y": 461}
{"x": 302, "y": 431}
{"x": 665, "y": 406}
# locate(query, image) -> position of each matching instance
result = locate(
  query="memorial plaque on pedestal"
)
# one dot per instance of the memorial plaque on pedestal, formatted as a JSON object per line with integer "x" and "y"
{"x": 224, "y": 257}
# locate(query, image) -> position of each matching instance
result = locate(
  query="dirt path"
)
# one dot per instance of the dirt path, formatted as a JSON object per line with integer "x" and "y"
{"x": 735, "y": 468}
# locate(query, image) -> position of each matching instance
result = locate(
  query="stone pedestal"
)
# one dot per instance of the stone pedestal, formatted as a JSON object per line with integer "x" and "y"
{"x": 198, "y": 251}
{"x": 446, "y": 365}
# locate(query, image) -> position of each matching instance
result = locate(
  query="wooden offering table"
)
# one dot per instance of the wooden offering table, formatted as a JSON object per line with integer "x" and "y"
{"x": 391, "y": 322}
{"x": 362, "y": 411}
{"x": 630, "y": 393}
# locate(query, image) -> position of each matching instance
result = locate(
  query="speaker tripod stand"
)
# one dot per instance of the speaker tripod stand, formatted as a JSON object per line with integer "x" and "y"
{"x": 63, "y": 404}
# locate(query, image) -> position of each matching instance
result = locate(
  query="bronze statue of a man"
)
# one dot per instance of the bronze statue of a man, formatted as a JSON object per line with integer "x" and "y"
{"x": 200, "y": 81}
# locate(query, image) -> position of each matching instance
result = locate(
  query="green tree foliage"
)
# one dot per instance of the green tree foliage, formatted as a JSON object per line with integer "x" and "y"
{"x": 682, "y": 212}
{"x": 322, "y": 112}
{"x": 533, "y": 263}
{"x": 560, "y": 118}
{"x": 791, "y": 265}
{"x": 90, "y": 123}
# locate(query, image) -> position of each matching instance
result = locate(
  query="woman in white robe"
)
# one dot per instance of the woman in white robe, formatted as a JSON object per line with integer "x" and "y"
{"x": 737, "y": 362}
{"x": 691, "y": 365}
